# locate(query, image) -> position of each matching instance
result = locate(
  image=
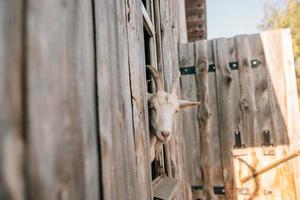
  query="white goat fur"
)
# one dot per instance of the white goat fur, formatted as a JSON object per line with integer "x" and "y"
{"x": 163, "y": 108}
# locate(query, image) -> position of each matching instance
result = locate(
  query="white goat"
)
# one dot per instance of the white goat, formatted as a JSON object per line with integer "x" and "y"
{"x": 163, "y": 107}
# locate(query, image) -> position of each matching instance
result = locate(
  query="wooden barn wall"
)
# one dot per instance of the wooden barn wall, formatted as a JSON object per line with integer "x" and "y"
{"x": 61, "y": 126}
{"x": 169, "y": 63}
{"x": 73, "y": 93}
{"x": 11, "y": 95}
{"x": 249, "y": 99}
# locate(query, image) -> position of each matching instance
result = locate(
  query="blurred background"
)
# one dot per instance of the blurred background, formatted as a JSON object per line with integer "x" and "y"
{"x": 252, "y": 16}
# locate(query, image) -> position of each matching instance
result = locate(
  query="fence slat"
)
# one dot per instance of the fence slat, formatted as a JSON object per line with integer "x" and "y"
{"x": 190, "y": 125}
{"x": 215, "y": 175}
{"x": 62, "y": 160}
{"x": 139, "y": 99}
{"x": 277, "y": 46}
{"x": 248, "y": 112}
{"x": 228, "y": 105}
{"x": 11, "y": 100}
{"x": 115, "y": 119}
{"x": 263, "y": 116}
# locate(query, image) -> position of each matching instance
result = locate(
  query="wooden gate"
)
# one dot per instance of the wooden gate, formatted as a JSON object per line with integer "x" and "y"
{"x": 248, "y": 118}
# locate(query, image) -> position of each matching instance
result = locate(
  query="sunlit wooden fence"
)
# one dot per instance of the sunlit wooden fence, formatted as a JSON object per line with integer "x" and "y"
{"x": 249, "y": 116}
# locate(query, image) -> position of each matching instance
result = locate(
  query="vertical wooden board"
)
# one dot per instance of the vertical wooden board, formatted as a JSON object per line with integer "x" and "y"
{"x": 62, "y": 160}
{"x": 203, "y": 113}
{"x": 115, "y": 113}
{"x": 138, "y": 97}
{"x": 191, "y": 131}
{"x": 182, "y": 22}
{"x": 11, "y": 100}
{"x": 267, "y": 182}
{"x": 277, "y": 47}
{"x": 260, "y": 87}
{"x": 247, "y": 98}
{"x": 168, "y": 65}
{"x": 167, "y": 43}
{"x": 248, "y": 109}
{"x": 169, "y": 52}
{"x": 228, "y": 107}
{"x": 211, "y": 157}
{"x": 187, "y": 55}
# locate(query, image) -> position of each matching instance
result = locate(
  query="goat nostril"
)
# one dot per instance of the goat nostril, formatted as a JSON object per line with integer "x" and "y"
{"x": 165, "y": 133}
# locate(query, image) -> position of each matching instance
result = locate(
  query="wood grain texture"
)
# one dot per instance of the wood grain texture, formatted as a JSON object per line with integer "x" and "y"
{"x": 119, "y": 170}
{"x": 264, "y": 119}
{"x": 210, "y": 135}
{"x": 228, "y": 106}
{"x": 190, "y": 122}
{"x": 201, "y": 58}
{"x": 11, "y": 100}
{"x": 277, "y": 46}
{"x": 249, "y": 113}
{"x": 139, "y": 98}
{"x": 62, "y": 145}
{"x": 170, "y": 68}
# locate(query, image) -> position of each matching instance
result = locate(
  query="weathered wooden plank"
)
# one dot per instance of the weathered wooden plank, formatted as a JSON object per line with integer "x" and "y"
{"x": 182, "y": 26}
{"x": 201, "y": 58}
{"x": 61, "y": 135}
{"x": 211, "y": 157}
{"x": 277, "y": 46}
{"x": 228, "y": 106}
{"x": 165, "y": 188}
{"x": 190, "y": 124}
{"x": 247, "y": 98}
{"x": 263, "y": 116}
{"x": 11, "y": 100}
{"x": 175, "y": 148}
{"x": 139, "y": 98}
{"x": 115, "y": 112}
{"x": 249, "y": 113}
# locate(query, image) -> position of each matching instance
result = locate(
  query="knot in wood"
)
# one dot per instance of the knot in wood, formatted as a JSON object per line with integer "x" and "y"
{"x": 227, "y": 78}
{"x": 244, "y": 104}
{"x": 202, "y": 66}
{"x": 245, "y": 62}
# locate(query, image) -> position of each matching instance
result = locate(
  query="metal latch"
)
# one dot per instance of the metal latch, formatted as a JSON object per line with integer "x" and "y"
{"x": 234, "y": 65}
{"x": 211, "y": 68}
{"x": 219, "y": 190}
{"x": 187, "y": 70}
{"x": 267, "y": 145}
{"x": 197, "y": 191}
{"x": 238, "y": 140}
{"x": 255, "y": 63}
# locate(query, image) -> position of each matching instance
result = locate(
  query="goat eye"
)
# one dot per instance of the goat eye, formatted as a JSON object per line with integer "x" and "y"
{"x": 176, "y": 111}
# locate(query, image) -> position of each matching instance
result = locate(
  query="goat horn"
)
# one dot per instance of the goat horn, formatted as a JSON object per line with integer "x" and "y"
{"x": 175, "y": 84}
{"x": 156, "y": 76}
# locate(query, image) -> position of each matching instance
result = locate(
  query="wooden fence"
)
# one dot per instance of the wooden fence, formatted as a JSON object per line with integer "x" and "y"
{"x": 73, "y": 109}
{"x": 249, "y": 116}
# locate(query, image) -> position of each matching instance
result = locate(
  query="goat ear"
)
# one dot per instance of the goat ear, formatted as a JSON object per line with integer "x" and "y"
{"x": 186, "y": 104}
{"x": 149, "y": 96}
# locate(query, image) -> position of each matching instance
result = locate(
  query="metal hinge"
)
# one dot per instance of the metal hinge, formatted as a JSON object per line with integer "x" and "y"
{"x": 187, "y": 70}
{"x": 219, "y": 190}
{"x": 211, "y": 68}
{"x": 255, "y": 63}
{"x": 234, "y": 65}
{"x": 238, "y": 140}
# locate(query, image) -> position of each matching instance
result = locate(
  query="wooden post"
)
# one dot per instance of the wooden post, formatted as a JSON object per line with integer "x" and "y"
{"x": 62, "y": 149}
{"x": 285, "y": 109}
{"x": 12, "y": 100}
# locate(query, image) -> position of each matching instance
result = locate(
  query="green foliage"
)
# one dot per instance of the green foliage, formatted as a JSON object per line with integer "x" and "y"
{"x": 286, "y": 15}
